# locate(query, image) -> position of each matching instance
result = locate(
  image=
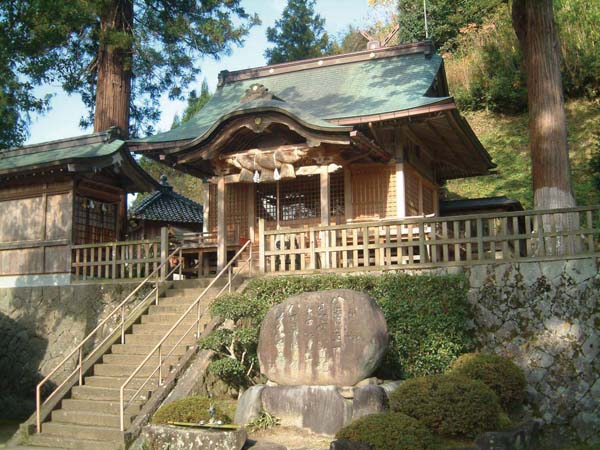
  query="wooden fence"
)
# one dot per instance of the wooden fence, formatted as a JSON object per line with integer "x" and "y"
{"x": 430, "y": 242}
{"x": 115, "y": 260}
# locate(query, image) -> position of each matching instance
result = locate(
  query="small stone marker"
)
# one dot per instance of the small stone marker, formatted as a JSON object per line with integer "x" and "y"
{"x": 335, "y": 337}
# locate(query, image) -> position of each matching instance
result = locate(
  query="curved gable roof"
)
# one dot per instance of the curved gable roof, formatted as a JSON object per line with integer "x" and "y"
{"x": 323, "y": 89}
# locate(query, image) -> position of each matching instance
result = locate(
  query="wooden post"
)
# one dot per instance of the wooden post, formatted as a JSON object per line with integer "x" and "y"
{"x": 261, "y": 245}
{"x": 400, "y": 191}
{"x": 251, "y": 211}
{"x": 164, "y": 252}
{"x": 348, "y": 211}
{"x": 325, "y": 213}
{"x": 206, "y": 209}
{"x": 221, "y": 225}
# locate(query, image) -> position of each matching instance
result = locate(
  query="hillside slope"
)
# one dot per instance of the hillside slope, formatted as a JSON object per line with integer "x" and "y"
{"x": 506, "y": 139}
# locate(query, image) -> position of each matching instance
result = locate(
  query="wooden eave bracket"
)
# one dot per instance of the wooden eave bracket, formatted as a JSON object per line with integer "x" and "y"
{"x": 369, "y": 146}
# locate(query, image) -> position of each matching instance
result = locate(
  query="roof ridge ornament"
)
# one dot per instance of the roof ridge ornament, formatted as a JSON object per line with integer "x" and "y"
{"x": 258, "y": 91}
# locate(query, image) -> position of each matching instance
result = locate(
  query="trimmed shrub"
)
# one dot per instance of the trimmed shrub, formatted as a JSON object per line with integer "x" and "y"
{"x": 449, "y": 405}
{"x": 388, "y": 431}
{"x": 189, "y": 410}
{"x": 500, "y": 374}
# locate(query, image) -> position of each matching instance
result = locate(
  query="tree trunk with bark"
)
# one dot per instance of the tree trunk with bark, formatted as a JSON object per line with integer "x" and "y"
{"x": 113, "y": 89}
{"x": 533, "y": 21}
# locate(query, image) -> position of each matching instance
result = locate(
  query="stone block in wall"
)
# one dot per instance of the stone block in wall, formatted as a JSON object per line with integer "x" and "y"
{"x": 545, "y": 316}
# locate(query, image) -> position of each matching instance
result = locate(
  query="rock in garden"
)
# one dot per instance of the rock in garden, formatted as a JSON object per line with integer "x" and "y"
{"x": 320, "y": 409}
{"x": 335, "y": 337}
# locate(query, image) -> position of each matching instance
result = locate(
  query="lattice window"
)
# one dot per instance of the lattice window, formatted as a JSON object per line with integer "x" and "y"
{"x": 95, "y": 221}
{"x": 299, "y": 199}
{"x": 336, "y": 193}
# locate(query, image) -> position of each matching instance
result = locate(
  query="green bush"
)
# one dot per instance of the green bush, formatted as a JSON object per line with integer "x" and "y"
{"x": 449, "y": 405}
{"x": 500, "y": 374}
{"x": 388, "y": 431}
{"x": 189, "y": 410}
{"x": 427, "y": 315}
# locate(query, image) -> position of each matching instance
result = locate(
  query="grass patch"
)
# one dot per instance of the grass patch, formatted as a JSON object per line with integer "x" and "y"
{"x": 507, "y": 139}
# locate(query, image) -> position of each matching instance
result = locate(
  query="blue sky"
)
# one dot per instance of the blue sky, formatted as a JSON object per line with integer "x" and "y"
{"x": 63, "y": 120}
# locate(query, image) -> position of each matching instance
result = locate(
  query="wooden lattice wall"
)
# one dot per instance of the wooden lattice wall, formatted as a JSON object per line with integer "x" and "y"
{"x": 373, "y": 191}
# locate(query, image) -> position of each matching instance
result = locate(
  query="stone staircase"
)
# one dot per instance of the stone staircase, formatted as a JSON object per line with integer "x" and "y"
{"x": 88, "y": 418}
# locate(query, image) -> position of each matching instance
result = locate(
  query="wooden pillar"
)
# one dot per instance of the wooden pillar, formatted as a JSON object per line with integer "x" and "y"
{"x": 325, "y": 213}
{"x": 206, "y": 207}
{"x": 261, "y": 245}
{"x": 348, "y": 211}
{"x": 164, "y": 252}
{"x": 400, "y": 191}
{"x": 251, "y": 211}
{"x": 221, "y": 225}
{"x": 325, "y": 187}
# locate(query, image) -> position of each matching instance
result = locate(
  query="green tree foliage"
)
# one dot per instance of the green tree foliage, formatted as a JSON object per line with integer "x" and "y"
{"x": 445, "y": 18}
{"x": 57, "y": 42}
{"x": 195, "y": 103}
{"x": 182, "y": 183}
{"x": 298, "y": 34}
{"x": 484, "y": 69}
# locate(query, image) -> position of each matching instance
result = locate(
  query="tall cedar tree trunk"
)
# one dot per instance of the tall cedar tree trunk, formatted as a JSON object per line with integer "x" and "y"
{"x": 113, "y": 89}
{"x": 533, "y": 21}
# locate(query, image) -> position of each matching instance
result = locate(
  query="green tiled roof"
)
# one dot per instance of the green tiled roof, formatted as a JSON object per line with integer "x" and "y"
{"x": 332, "y": 91}
{"x": 42, "y": 156}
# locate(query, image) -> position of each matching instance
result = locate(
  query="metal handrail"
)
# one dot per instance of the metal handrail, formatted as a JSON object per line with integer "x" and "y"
{"x": 79, "y": 348}
{"x": 195, "y": 324}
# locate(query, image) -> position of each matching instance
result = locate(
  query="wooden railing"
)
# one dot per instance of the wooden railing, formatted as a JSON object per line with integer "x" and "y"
{"x": 115, "y": 260}
{"x": 431, "y": 242}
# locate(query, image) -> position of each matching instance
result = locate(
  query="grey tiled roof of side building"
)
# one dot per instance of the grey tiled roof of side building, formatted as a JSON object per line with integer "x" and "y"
{"x": 165, "y": 205}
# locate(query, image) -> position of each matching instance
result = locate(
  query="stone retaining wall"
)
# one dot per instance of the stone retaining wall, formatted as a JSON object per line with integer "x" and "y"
{"x": 38, "y": 326}
{"x": 546, "y": 316}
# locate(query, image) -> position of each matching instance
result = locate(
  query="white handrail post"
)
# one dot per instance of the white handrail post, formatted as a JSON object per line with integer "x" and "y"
{"x": 121, "y": 409}
{"x": 160, "y": 365}
{"x": 250, "y": 261}
{"x": 122, "y": 324}
{"x": 80, "y": 366}
{"x": 229, "y": 276}
{"x": 164, "y": 251}
{"x": 156, "y": 289}
{"x": 180, "y": 264}
{"x": 38, "y": 414}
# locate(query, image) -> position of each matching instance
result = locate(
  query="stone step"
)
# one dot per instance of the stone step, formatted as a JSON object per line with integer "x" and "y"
{"x": 89, "y": 432}
{"x": 161, "y": 328}
{"x": 178, "y": 309}
{"x": 102, "y": 407}
{"x": 106, "y": 394}
{"x": 125, "y": 370}
{"x": 141, "y": 349}
{"x": 153, "y": 339}
{"x": 135, "y": 360}
{"x": 168, "y": 319}
{"x": 47, "y": 440}
{"x": 117, "y": 382}
{"x": 191, "y": 293}
{"x": 90, "y": 418}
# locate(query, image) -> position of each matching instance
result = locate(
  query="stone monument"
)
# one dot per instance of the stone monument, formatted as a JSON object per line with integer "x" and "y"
{"x": 318, "y": 350}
